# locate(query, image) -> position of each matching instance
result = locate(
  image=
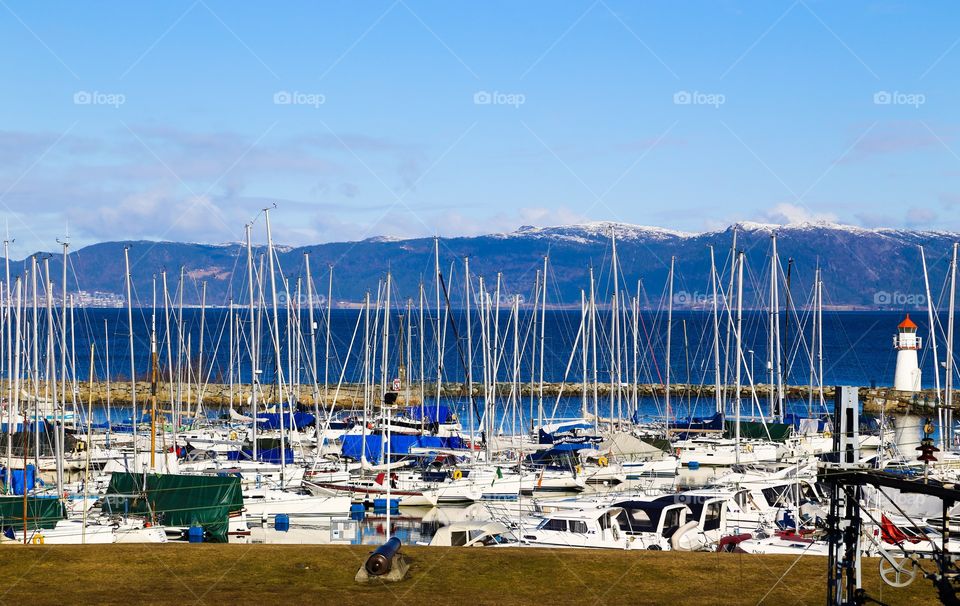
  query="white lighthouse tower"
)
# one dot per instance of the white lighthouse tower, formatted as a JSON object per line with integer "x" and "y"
{"x": 907, "y": 378}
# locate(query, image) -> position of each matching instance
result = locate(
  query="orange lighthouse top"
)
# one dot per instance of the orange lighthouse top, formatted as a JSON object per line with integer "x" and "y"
{"x": 907, "y": 324}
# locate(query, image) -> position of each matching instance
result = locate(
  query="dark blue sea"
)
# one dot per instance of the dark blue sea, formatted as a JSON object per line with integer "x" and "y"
{"x": 857, "y": 349}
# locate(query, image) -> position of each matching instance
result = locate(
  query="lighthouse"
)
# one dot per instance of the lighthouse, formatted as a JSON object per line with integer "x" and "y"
{"x": 907, "y": 378}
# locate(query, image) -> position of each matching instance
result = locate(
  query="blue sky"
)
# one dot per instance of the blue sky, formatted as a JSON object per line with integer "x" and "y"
{"x": 180, "y": 120}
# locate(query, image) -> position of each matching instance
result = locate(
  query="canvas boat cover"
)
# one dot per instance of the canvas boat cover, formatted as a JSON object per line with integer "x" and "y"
{"x": 42, "y": 512}
{"x": 179, "y": 500}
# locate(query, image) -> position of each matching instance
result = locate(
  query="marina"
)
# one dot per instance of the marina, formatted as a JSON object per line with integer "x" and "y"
{"x": 399, "y": 301}
{"x": 514, "y": 453}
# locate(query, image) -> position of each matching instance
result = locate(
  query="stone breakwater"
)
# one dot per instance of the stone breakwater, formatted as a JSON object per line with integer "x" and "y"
{"x": 219, "y": 395}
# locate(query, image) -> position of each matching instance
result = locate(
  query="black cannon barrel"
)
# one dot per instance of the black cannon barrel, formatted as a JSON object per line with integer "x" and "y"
{"x": 381, "y": 560}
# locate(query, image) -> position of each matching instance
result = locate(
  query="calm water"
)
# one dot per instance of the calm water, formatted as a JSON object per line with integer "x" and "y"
{"x": 857, "y": 346}
{"x": 857, "y": 350}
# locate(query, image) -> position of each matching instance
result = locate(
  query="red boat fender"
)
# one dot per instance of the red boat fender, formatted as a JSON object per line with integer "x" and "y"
{"x": 730, "y": 542}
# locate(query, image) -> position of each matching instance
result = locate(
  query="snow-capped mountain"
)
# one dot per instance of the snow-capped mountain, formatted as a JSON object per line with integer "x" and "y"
{"x": 861, "y": 267}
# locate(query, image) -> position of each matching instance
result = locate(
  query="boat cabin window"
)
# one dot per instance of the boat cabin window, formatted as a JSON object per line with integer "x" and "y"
{"x": 635, "y": 520}
{"x": 672, "y": 521}
{"x": 553, "y": 524}
{"x": 714, "y": 516}
{"x": 458, "y": 539}
{"x": 777, "y": 496}
{"x": 578, "y": 526}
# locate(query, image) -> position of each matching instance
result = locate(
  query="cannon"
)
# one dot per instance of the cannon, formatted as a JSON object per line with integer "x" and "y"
{"x": 380, "y": 561}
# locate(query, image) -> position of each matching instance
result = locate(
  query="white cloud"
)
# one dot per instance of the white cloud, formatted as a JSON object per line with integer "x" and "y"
{"x": 786, "y": 213}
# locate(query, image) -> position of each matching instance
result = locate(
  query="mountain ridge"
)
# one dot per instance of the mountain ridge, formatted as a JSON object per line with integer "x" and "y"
{"x": 862, "y": 267}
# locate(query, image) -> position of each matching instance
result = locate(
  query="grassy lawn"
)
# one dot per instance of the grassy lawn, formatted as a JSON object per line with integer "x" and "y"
{"x": 279, "y": 574}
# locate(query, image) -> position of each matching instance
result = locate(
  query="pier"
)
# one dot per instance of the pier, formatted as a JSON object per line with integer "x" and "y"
{"x": 220, "y": 395}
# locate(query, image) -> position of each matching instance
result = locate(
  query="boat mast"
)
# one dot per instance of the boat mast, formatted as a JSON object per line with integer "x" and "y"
{"x": 154, "y": 386}
{"x": 51, "y": 388}
{"x": 738, "y": 334}
{"x": 275, "y": 333}
{"x": 313, "y": 348}
{"x": 776, "y": 368}
{"x": 593, "y": 350}
{"x": 726, "y": 350}
{"x": 614, "y": 330}
{"x": 366, "y": 377}
{"x": 948, "y": 379}
{"x": 63, "y": 348}
{"x": 467, "y": 301}
{"x": 718, "y": 397}
{"x": 436, "y": 274}
{"x": 133, "y": 363}
{"x": 254, "y": 370}
{"x": 326, "y": 356}
{"x": 543, "y": 325}
{"x": 669, "y": 335}
{"x": 584, "y": 353}
{"x": 933, "y": 343}
{"x": 7, "y": 303}
{"x": 35, "y": 367}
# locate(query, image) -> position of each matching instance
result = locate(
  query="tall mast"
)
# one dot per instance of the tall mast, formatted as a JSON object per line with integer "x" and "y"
{"x": 614, "y": 330}
{"x": 467, "y": 297}
{"x": 436, "y": 275}
{"x": 422, "y": 334}
{"x": 726, "y": 350}
{"x": 933, "y": 343}
{"x": 154, "y": 380}
{"x": 51, "y": 388}
{"x": 326, "y": 357}
{"x": 35, "y": 366}
{"x": 593, "y": 350}
{"x": 366, "y": 377}
{"x": 9, "y": 334}
{"x": 106, "y": 360}
{"x": 738, "y": 347}
{"x": 776, "y": 367}
{"x": 313, "y": 347}
{"x": 385, "y": 360}
{"x": 168, "y": 335}
{"x": 203, "y": 324}
{"x": 718, "y": 397}
{"x": 230, "y": 337}
{"x": 543, "y": 325}
{"x": 584, "y": 349}
{"x": 254, "y": 369}
{"x": 63, "y": 347}
{"x": 669, "y": 335}
{"x": 813, "y": 340}
{"x": 133, "y": 363}
{"x": 948, "y": 379}
{"x": 275, "y": 333}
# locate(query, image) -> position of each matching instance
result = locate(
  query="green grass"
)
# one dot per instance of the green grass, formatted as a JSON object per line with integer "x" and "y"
{"x": 271, "y": 575}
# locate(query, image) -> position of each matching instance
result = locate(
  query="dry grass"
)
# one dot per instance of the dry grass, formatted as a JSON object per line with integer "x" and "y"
{"x": 279, "y": 574}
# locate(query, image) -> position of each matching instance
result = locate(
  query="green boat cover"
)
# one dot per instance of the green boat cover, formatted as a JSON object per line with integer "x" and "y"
{"x": 41, "y": 512}
{"x": 178, "y": 500}
{"x": 779, "y": 432}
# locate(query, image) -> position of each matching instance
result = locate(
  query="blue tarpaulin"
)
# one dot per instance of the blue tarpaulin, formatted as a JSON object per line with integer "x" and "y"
{"x": 265, "y": 455}
{"x": 271, "y": 420}
{"x": 430, "y": 414}
{"x": 16, "y": 479}
{"x": 400, "y": 444}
